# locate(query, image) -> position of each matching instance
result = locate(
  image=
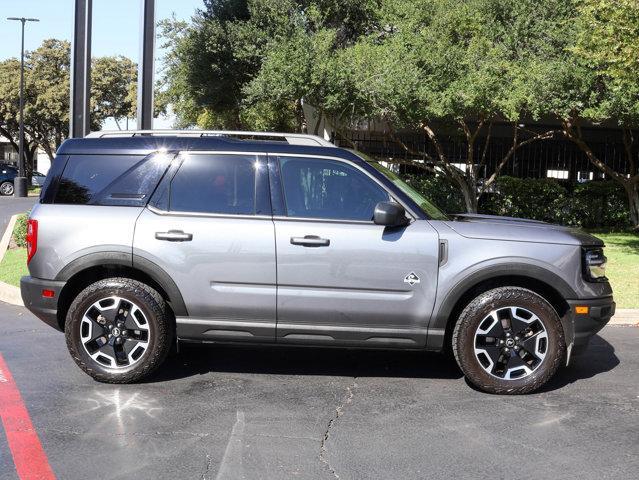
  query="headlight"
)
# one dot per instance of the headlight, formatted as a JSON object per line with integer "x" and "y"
{"x": 595, "y": 265}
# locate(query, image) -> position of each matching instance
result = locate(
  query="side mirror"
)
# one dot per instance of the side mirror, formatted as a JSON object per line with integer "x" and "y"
{"x": 390, "y": 214}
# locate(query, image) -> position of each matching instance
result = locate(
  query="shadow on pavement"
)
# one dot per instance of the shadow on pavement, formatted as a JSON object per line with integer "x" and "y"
{"x": 598, "y": 358}
{"x": 196, "y": 359}
{"x": 201, "y": 359}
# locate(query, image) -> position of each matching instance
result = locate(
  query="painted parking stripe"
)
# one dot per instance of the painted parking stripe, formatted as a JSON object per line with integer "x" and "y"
{"x": 28, "y": 456}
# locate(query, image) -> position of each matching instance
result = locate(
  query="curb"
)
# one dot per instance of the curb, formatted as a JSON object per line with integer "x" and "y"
{"x": 10, "y": 294}
{"x": 6, "y": 237}
{"x": 626, "y": 316}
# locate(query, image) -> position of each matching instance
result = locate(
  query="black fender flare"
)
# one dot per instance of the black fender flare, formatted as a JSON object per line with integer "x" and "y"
{"x": 441, "y": 315}
{"x": 135, "y": 262}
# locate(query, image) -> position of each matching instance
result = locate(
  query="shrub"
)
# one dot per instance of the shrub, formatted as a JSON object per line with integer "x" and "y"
{"x": 20, "y": 230}
{"x": 597, "y": 204}
{"x": 538, "y": 199}
{"x": 438, "y": 190}
{"x": 600, "y": 204}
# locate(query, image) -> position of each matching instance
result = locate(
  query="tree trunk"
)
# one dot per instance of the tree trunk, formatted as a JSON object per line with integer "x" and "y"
{"x": 632, "y": 189}
{"x": 470, "y": 195}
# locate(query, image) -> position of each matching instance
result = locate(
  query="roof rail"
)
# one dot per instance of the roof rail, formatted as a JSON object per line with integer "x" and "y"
{"x": 291, "y": 138}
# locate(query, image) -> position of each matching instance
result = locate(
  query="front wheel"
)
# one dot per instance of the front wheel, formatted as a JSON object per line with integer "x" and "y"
{"x": 509, "y": 341}
{"x": 119, "y": 330}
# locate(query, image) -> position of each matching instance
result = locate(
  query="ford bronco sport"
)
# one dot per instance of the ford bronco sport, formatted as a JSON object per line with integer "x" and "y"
{"x": 143, "y": 239}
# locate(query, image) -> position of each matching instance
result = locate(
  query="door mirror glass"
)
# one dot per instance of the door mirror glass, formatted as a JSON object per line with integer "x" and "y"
{"x": 390, "y": 214}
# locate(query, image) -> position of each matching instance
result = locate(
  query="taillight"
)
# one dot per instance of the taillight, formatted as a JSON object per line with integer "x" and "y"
{"x": 32, "y": 238}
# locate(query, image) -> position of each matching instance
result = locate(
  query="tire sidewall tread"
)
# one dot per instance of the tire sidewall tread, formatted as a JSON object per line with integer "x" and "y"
{"x": 474, "y": 313}
{"x": 158, "y": 315}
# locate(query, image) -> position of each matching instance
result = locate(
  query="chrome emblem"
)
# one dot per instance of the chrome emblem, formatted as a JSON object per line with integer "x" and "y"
{"x": 411, "y": 279}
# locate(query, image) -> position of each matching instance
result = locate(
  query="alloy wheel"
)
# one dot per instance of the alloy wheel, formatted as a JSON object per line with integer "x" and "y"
{"x": 511, "y": 343}
{"x": 6, "y": 189}
{"x": 115, "y": 332}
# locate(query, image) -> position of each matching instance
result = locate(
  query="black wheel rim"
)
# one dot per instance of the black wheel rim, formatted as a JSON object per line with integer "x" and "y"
{"x": 511, "y": 343}
{"x": 115, "y": 332}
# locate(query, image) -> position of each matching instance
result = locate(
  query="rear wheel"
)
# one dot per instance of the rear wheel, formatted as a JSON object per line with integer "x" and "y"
{"x": 6, "y": 189}
{"x": 119, "y": 330}
{"x": 509, "y": 340}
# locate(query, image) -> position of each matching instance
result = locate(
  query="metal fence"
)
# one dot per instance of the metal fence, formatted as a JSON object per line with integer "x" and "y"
{"x": 558, "y": 158}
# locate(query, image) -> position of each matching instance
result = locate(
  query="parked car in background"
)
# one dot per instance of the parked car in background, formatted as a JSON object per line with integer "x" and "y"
{"x": 37, "y": 179}
{"x": 7, "y": 174}
{"x": 201, "y": 237}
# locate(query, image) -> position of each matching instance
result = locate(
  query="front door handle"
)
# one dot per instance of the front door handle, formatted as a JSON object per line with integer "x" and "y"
{"x": 310, "y": 241}
{"x": 174, "y": 236}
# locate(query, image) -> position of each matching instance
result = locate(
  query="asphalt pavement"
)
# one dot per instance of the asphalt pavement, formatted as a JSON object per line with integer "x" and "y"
{"x": 237, "y": 412}
{"x": 10, "y": 206}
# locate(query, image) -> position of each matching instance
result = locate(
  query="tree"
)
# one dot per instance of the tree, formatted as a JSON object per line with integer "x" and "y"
{"x": 47, "y": 92}
{"x": 9, "y": 106}
{"x": 213, "y": 66}
{"x": 113, "y": 89}
{"x": 585, "y": 73}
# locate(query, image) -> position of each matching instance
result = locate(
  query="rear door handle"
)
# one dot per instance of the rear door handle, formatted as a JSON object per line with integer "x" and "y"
{"x": 310, "y": 241}
{"x": 174, "y": 236}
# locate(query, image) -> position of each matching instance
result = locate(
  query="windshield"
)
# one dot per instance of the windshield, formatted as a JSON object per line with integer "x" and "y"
{"x": 426, "y": 205}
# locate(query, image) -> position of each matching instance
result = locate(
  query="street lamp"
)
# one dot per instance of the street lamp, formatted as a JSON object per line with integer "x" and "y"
{"x": 20, "y": 182}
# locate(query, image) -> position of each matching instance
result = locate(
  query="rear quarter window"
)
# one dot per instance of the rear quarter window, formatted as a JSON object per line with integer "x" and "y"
{"x": 116, "y": 180}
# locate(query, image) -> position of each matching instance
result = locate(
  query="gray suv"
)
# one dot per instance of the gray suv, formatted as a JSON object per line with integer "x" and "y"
{"x": 144, "y": 239}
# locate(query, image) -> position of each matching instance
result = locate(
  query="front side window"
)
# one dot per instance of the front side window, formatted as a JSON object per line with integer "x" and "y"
{"x": 328, "y": 189}
{"x": 223, "y": 184}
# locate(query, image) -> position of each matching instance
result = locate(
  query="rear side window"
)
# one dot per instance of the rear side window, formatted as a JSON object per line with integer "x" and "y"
{"x": 117, "y": 180}
{"x": 223, "y": 184}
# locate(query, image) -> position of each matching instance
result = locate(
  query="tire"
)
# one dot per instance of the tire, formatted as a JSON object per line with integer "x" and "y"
{"x": 126, "y": 317}
{"x": 6, "y": 189}
{"x": 509, "y": 341}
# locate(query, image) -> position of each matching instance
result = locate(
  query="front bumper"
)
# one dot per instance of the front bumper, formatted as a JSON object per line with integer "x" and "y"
{"x": 45, "y": 308}
{"x": 586, "y": 325}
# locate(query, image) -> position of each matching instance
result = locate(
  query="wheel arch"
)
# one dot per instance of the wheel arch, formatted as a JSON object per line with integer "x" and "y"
{"x": 93, "y": 267}
{"x": 545, "y": 283}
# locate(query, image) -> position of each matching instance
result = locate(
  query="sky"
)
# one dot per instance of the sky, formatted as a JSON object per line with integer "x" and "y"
{"x": 116, "y": 25}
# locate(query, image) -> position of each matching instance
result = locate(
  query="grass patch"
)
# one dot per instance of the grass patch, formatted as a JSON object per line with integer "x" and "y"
{"x": 622, "y": 250}
{"x": 13, "y": 266}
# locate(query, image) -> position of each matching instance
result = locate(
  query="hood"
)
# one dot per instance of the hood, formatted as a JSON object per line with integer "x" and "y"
{"x": 493, "y": 227}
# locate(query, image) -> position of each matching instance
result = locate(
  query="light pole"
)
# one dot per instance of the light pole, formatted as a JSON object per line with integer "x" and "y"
{"x": 20, "y": 182}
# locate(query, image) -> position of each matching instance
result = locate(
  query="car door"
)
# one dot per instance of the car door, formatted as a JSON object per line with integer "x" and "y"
{"x": 341, "y": 278}
{"x": 209, "y": 227}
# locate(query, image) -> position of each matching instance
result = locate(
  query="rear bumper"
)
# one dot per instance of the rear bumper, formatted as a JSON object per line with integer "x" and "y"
{"x": 45, "y": 308}
{"x": 586, "y": 325}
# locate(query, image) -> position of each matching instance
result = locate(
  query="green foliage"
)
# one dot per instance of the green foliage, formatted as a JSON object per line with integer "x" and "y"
{"x": 47, "y": 92}
{"x": 600, "y": 204}
{"x": 20, "y": 230}
{"x": 622, "y": 250}
{"x": 249, "y": 64}
{"x": 439, "y": 190}
{"x": 537, "y": 199}
{"x": 14, "y": 266}
{"x": 609, "y": 36}
{"x": 114, "y": 88}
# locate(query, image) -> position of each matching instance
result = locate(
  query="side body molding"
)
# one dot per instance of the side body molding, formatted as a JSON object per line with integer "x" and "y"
{"x": 132, "y": 261}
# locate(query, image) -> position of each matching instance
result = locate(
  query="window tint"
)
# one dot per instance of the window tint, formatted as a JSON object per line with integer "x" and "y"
{"x": 215, "y": 184}
{"x": 110, "y": 179}
{"x": 315, "y": 188}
